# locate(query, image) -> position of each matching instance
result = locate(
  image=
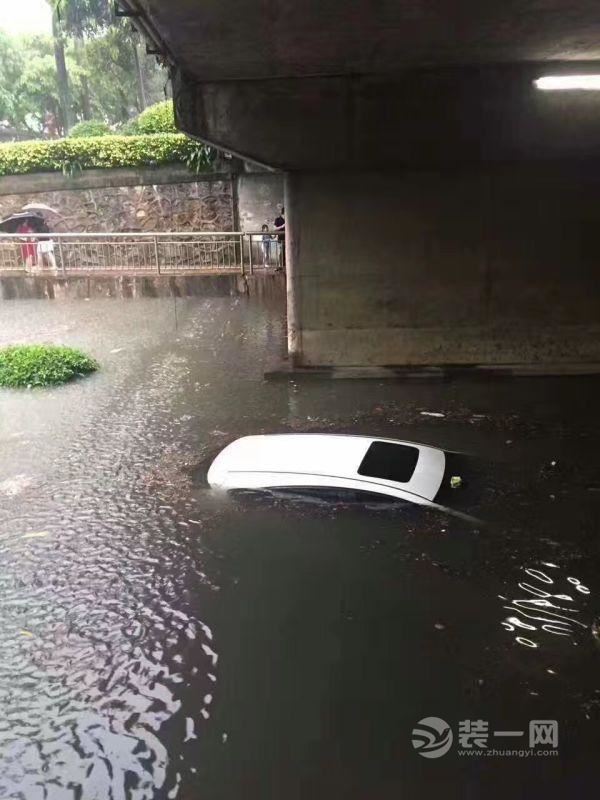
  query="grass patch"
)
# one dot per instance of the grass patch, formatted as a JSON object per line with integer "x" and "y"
{"x": 28, "y": 365}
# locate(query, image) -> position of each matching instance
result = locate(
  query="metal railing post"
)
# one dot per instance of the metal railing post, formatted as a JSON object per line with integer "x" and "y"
{"x": 251, "y": 263}
{"x": 241, "y": 242}
{"x": 63, "y": 267}
{"x": 156, "y": 256}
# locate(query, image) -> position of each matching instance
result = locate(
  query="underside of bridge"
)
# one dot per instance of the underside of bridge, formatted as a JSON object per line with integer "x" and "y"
{"x": 440, "y": 208}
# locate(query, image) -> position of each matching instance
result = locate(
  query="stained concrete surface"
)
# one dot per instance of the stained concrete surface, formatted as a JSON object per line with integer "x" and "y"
{"x": 486, "y": 265}
{"x": 55, "y": 287}
{"x": 304, "y": 38}
{"x": 259, "y": 196}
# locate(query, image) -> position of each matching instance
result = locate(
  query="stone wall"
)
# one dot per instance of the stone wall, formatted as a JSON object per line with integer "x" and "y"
{"x": 201, "y": 205}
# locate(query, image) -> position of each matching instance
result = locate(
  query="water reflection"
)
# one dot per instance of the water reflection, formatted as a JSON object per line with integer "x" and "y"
{"x": 106, "y": 654}
{"x": 97, "y": 647}
{"x": 541, "y": 610}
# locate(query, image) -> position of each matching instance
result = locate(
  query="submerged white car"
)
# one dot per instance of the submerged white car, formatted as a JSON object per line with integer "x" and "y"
{"x": 315, "y": 461}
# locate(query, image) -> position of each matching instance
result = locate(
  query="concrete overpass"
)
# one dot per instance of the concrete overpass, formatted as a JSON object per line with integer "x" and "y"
{"x": 440, "y": 208}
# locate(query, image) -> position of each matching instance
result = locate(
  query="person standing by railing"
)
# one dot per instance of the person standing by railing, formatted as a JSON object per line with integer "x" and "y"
{"x": 28, "y": 249}
{"x": 265, "y": 245}
{"x": 280, "y": 227}
{"x": 45, "y": 248}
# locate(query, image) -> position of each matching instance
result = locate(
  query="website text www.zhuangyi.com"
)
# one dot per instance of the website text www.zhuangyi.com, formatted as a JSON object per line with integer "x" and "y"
{"x": 523, "y": 753}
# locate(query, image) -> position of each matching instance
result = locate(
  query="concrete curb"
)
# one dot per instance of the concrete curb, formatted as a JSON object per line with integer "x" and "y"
{"x": 438, "y": 373}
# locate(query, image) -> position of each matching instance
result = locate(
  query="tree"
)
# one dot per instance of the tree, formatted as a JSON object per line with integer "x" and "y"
{"x": 88, "y": 18}
{"x": 109, "y": 63}
{"x": 84, "y": 17}
{"x": 28, "y": 85}
{"x": 11, "y": 68}
{"x": 64, "y": 91}
{"x": 101, "y": 78}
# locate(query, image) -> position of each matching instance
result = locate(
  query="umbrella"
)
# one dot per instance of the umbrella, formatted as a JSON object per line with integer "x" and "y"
{"x": 40, "y": 207}
{"x": 10, "y": 224}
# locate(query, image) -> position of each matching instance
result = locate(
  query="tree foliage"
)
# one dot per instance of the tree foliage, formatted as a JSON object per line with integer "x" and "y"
{"x": 89, "y": 127}
{"x": 80, "y": 17}
{"x": 102, "y": 61}
{"x": 11, "y": 67}
{"x": 28, "y": 85}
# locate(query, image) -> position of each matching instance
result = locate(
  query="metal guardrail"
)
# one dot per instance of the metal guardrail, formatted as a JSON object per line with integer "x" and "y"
{"x": 264, "y": 252}
{"x": 138, "y": 253}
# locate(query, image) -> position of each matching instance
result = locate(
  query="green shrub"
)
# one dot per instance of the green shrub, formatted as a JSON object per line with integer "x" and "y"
{"x": 158, "y": 118}
{"x": 129, "y": 128}
{"x": 99, "y": 152}
{"x": 90, "y": 127}
{"x": 42, "y": 365}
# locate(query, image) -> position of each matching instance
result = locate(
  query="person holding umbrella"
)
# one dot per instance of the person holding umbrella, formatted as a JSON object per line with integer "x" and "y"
{"x": 31, "y": 220}
{"x": 45, "y": 246}
{"x": 28, "y": 249}
{"x": 25, "y": 222}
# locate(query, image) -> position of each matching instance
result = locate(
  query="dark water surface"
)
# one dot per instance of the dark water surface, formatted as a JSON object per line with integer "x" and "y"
{"x": 159, "y": 642}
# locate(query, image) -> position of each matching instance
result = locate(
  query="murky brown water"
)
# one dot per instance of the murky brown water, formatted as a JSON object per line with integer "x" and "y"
{"x": 157, "y": 642}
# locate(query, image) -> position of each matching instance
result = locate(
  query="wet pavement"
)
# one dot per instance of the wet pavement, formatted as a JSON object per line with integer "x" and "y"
{"x": 157, "y": 641}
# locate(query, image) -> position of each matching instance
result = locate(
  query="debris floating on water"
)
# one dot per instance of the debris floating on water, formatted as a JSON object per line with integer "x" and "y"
{"x": 455, "y": 482}
{"x": 190, "y": 732}
{"x": 432, "y": 414}
{"x": 16, "y": 485}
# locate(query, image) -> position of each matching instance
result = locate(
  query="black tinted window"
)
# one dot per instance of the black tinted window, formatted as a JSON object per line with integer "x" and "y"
{"x": 390, "y": 462}
{"x": 332, "y": 494}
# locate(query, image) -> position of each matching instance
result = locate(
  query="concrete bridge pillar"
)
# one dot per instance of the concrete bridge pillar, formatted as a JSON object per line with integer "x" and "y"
{"x": 480, "y": 265}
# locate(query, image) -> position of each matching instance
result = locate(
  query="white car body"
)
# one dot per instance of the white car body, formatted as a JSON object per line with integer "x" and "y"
{"x": 312, "y": 460}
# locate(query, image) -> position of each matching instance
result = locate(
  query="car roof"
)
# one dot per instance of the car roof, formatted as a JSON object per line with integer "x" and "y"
{"x": 327, "y": 455}
{"x": 296, "y": 452}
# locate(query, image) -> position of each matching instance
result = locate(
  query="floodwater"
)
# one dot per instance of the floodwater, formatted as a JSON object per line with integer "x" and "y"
{"x": 157, "y": 641}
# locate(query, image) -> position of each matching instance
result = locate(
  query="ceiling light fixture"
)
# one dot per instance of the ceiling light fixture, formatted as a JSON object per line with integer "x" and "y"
{"x": 568, "y": 83}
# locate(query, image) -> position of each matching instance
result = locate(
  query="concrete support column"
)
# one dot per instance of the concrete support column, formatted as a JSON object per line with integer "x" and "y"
{"x": 292, "y": 250}
{"x": 479, "y": 265}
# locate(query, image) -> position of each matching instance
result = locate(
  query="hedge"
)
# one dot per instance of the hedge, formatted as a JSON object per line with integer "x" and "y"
{"x": 158, "y": 118}
{"x": 102, "y": 152}
{"x": 90, "y": 127}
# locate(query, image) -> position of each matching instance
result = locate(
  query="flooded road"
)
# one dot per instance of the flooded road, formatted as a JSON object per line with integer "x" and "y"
{"x": 159, "y": 642}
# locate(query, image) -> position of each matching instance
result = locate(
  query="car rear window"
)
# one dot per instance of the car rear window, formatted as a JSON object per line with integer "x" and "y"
{"x": 389, "y": 462}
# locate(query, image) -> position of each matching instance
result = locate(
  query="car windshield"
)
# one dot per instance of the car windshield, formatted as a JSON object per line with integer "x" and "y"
{"x": 389, "y": 462}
